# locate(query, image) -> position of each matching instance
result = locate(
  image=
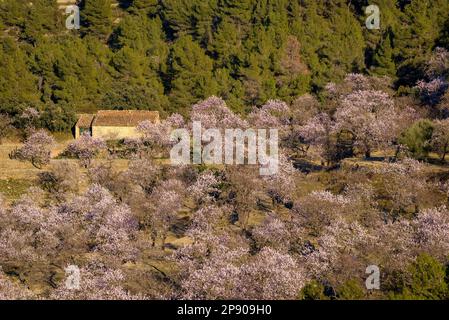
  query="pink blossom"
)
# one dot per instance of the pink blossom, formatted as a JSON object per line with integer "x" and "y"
{"x": 281, "y": 185}
{"x": 270, "y": 275}
{"x": 12, "y": 290}
{"x": 273, "y": 233}
{"x": 213, "y": 113}
{"x": 97, "y": 282}
{"x": 273, "y": 114}
{"x": 85, "y": 148}
{"x": 432, "y": 231}
{"x": 205, "y": 186}
{"x": 37, "y": 148}
{"x": 432, "y": 91}
{"x": 370, "y": 116}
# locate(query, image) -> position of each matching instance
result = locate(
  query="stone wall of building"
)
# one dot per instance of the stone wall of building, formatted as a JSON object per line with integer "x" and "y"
{"x": 114, "y": 133}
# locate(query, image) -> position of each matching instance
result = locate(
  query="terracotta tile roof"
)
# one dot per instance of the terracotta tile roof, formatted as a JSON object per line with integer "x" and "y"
{"x": 124, "y": 118}
{"x": 85, "y": 120}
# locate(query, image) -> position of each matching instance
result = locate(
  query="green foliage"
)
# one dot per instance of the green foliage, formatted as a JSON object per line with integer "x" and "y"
{"x": 58, "y": 117}
{"x": 167, "y": 55}
{"x": 190, "y": 72}
{"x": 424, "y": 21}
{"x": 351, "y": 290}
{"x": 313, "y": 291}
{"x": 13, "y": 12}
{"x": 97, "y": 17}
{"x": 417, "y": 138}
{"x": 425, "y": 280}
{"x": 18, "y": 86}
{"x": 150, "y": 7}
{"x": 383, "y": 60}
{"x": 331, "y": 39}
{"x": 70, "y": 71}
{"x": 125, "y": 95}
{"x": 44, "y": 18}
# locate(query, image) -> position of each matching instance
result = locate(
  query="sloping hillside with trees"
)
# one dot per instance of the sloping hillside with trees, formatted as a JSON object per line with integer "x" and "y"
{"x": 168, "y": 54}
{"x": 362, "y": 183}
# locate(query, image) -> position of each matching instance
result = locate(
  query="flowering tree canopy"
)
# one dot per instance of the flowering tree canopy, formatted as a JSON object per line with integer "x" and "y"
{"x": 85, "y": 148}
{"x": 37, "y": 148}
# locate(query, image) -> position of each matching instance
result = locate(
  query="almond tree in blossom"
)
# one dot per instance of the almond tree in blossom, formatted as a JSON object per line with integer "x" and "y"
{"x": 273, "y": 233}
{"x": 167, "y": 199}
{"x": 432, "y": 89}
{"x": 37, "y": 149}
{"x": 156, "y": 137}
{"x": 342, "y": 251}
{"x": 85, "y": 148}
{"x": 97, "y": 282}
{"x": 29, "y": 118}
{"x": 13, "y": 290}
{"x": 244, "y": 189}
{"x": 211, "y": 269}
{"x": 403, "y": 184}
{"x": 281, "y": 185}
{"x": 205, "y": 188}
{"x": 144, "y": 173}
{"x": 108, "y": 227}
{"x": 231, "y": 273}
{"x": 28, "y": 232}
{"x": 370, "y": 117}
{"x": 431, "y": 231}
{"x": 319, "y": 209}
{"x": 271, "y": 275}
{"x": 274, "y": 114}
{"x": 317, "y": 133}
{"x": 214, "y": 113}
{"x": 438, "y": 64}
{"x": 209, "y": 219}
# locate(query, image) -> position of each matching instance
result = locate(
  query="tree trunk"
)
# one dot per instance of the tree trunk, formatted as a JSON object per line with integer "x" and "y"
{"x": 367, "y": 154}
{"x": 396, "y": 154}
{"x": 444, "y": 153}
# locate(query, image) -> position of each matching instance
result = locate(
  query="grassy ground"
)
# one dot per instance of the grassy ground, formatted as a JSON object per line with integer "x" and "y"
{"x": 17, "y": 176}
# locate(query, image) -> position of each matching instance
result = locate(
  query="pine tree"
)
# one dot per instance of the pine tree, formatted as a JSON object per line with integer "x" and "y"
{"x": 70, "y": 70}
{"x": 424, "y": 20}
{"x": 97, "y": 17}
{"x": 414, "y": 43}
{"x": 293, "y": 77}
{"x": 425, "y": 279}
{"x": 136, "y": 85}
{"x": 43, "y": 18}
{"x": 192, "y": 17}
{"x": 14, "y": 12}
{"x": 190, "y": 72}
{"x": 149, "y": 7}
{"x": 258, "y": 81}
{"x": 383, "y": 60}
{"x": 239, "y": 11}
{"x": 18, "y": 86}
{"x": 227, "y": 47}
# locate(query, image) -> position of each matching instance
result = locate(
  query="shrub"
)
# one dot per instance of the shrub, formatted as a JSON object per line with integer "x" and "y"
{"x": 418, "y": 138}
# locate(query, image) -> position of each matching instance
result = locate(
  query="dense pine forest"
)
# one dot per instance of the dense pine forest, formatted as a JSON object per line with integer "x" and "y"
{"x": 168, "y": 54}
{"x": 361, "y": 188}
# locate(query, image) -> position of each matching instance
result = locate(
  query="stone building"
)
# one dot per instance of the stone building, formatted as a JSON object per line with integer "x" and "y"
{"x": 113, "y": 124}
{"x": 62, "y": 4}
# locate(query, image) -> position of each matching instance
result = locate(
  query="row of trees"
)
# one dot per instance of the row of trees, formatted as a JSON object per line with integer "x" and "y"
{"x": 361, "y": 116}
{"x": 167, "y": 55}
